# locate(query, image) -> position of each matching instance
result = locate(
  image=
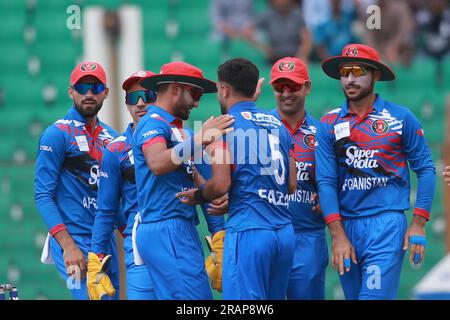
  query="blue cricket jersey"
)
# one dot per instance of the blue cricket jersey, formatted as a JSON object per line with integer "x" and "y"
{"x": 362, "y": 163}
{"x": 156, "y": 194}
{"x": 301, "y": 202}
{"x": 118, "y": 195}
{"x": 67, "y": 173}
{"x": 117, "y": 191}
{"x": 260, "y": 148}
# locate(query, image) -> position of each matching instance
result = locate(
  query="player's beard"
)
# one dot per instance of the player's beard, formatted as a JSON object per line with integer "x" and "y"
{"x": 364, "y": 92}
{"x": 223, "y": 108}
{"x": 182, "y": 108}
{"x": 90, "y": 112}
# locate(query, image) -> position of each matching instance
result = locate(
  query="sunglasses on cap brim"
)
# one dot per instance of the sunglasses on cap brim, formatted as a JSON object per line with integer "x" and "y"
{"x": 147, "y": 96}
{"x": 356, "y": 71}
{"x": 83, "y": 88}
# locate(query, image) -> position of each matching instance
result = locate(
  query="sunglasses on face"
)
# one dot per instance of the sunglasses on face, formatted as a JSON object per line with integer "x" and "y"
{"x": 291, "y": 86}
{"x": 357, "y": 71}
{"x": 196, "y": 93}
{"x": 147, "y": 96}
{"x": 83, "y": 88}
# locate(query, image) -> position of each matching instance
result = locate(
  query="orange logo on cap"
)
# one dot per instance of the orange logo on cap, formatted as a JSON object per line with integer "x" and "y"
{"x": 286, "y": 66}
{"x": 88, "y": 67}
{"x": 351, "y": 52}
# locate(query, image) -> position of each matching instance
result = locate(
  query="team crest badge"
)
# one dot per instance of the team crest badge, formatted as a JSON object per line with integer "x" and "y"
{"x": 247, "y": 115}
{"x": 310, "y": 140}
{"x": 380, "y": 127}
{"x": 88, "y": 67}
{"x": 105, "y": 142}
{"x": 286, "y": 66}
{"x": 351, "y": 52}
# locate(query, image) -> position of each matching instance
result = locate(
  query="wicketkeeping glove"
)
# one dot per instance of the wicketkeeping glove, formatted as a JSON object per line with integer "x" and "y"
{"x": 98, "y": 282}
{"x": 213, "y": 263}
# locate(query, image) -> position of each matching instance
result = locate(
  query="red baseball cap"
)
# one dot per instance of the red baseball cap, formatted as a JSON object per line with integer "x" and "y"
{"x": 135, "y": 77}
{"x": 88, "y": 69}
{"x": 181, "y": 72}
{"x": 357, "y": 53}
{"x": 289, "y": 68}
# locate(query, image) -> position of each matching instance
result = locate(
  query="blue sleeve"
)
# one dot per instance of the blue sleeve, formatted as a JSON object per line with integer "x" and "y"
{"x": 327, "y": 173}
{"x": 108, "y": 202}
{"x": 49, "y": 164}
{"x": 215, "y": 223}
{"x": 419, "y": 158}
{"x": 150, "y": 131}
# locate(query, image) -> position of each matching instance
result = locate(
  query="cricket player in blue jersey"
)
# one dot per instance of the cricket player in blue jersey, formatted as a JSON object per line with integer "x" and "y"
{"x": 260, "y": 240}
{"x": 363, "y": 154}
{"x": 165, "y": 235}
{"x": 291, "y": 84}
{"x": 117, "y": 194}
{"x": 66, "y": 179}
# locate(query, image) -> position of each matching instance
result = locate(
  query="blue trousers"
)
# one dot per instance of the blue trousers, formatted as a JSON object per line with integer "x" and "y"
{"x": 307, "y": 279}
{"x": 173, "y": 254}
{"x": 378, "y": 242}
{"x": 139, "y": 284}
{"x": 257, "y": 263}
{"x": 79, "y": 288}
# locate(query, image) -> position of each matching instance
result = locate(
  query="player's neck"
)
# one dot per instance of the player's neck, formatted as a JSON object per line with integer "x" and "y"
{"x": 165, "y": 105}
{"x": 90, "y": 123}
{"x": 362, "y": 107}
{"x": 293, "y": 120}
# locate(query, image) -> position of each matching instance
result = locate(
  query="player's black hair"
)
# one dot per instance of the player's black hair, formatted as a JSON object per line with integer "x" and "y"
{"x": 241, "y": 74}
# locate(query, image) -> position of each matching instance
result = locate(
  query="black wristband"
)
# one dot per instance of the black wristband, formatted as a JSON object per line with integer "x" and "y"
{"x": 198, "y": 196}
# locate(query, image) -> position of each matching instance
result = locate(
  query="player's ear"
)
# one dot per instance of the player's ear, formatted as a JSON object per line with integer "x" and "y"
{"x": 106, "y": 92}
{"x": 377, "y": 75}
{"x": 307, "y": 85}
{"x": 227, "y": 91}
{"x": 70, "y": 91}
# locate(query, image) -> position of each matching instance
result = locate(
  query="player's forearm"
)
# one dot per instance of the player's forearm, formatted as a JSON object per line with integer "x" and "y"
{"x": 336, "y": 230}
{"x": 102, "y": 230}
{"x": 65, "y": 240}
{"x": 328, "y": 199}
{"x": 49, "y": 211}
{"x": 216, "y": 187}
{"x": 426, "y": 181}
{"x": 215, "y": 223}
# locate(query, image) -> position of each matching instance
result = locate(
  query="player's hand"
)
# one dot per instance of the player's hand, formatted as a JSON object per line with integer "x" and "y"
{"x": 98, "y": 282}
{"x": 213, "y": 129}
{"x": 342, "y": 252}
{"x": 213, "y": 263}
{"x": 258, "y": 89}
{"x": 74, "y": 261}
{"x": 187, "y": 197}
{"x": 316, "y": 207}
{"x": 219, "y": 206}
{"x": 415, "y": 236}
{"x": 446, "y": 174}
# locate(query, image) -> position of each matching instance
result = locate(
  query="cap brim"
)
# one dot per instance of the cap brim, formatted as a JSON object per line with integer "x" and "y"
{"x": 152, "y": 82}
{"x": 295, "y": 79}
{"x": 331, "y": 67}
{"x": 127, "y": 83}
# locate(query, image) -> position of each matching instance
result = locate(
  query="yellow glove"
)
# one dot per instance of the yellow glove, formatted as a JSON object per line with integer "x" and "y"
{"x": 98, "y": 282}
{"x": 213, "y": 263}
